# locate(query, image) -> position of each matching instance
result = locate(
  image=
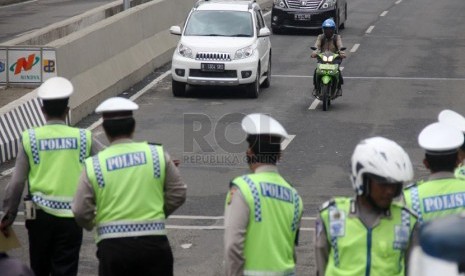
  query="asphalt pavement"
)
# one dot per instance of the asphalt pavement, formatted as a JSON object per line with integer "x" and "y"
{"x": 404, "y": 65}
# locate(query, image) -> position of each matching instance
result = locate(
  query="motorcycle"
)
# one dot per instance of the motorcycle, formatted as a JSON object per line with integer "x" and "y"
{"x": 327, "y": 76}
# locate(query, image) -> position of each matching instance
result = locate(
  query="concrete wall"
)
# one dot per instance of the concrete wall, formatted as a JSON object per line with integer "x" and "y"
{"x": 101, "y": 60}
{"x": 112, "y": 55}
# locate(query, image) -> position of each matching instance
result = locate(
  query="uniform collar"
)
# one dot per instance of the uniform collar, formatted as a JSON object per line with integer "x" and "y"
{"x": 441, "y": 175}
{"x": 266, "y": 168}
{"x": 121, "y": 141}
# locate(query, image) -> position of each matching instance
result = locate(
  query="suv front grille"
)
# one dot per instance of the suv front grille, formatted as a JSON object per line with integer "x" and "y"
{"x": 224, "y": 74}
{"x": 304, "y": 4}
{"x": 213, "y": 56}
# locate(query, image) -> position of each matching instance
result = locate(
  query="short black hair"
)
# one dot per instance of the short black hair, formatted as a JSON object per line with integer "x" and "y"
{"x": 266, "y": 148}
{"x": 119, "y": 127}
{"x": 442, "y": 162}
{"x": 55, "y": 108}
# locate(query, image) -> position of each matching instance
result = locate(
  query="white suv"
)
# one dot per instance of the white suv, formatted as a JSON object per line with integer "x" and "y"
{"x": 224, "y": 42}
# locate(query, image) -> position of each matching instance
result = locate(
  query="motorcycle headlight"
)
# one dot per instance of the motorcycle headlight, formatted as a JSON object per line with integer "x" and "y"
{"x": 244, "y": 52}
{"x": 185, "y": 51}
{"x": 330, "y": 58}
{"x": 328, "y": 4}
{"x": 325, "y": 58}
{"x": 279, "y": 3}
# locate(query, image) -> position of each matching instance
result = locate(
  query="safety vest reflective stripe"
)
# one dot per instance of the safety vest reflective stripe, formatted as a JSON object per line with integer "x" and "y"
{"x": 269, "y": 273}
{"x": 295, "y": 221}
{"x": 51, "y": 203}
{"x": 98, "y": 171}
{"x": 34, "y": 150}
{"x": 83, "y": 147}
{"x": 256, "y": 198}
{"x": 156, "y": 161}
{"x": 416, "y": 203}
{"x": 118, "y": 229}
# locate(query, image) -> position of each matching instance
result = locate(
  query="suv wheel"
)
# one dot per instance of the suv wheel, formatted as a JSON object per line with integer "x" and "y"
{"x": 179, "y": 88}
{"x": 253, "y": 89}
{"x": 267, "y": 81}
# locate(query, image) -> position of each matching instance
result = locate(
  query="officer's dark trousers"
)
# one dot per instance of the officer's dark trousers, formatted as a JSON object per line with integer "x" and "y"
{"x": 54, "y": 245}
{"x": 141, "y": 256}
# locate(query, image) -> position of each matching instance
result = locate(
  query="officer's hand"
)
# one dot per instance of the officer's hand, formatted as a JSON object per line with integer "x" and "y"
{"x": 313, "y": 55}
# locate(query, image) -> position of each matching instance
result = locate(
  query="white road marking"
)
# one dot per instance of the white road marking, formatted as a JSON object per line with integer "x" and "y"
{"x": 354, "y": 48}
{"x": 383, "y": 13}
{"x": 186, "y": 245}
{"x": 17, "y": 4}
{"x": 291, "y": 76}
{"x": 137, "y": 95}
{"x": 380, "y": 78}
{"x": 287, "y": 141}
{"x": 267, "y": 13}
{"x": 398, "y": 2}
{"x": 314, "y": 104}
{"x": 370, "y": 29}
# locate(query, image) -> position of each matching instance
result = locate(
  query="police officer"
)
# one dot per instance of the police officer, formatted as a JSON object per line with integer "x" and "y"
{"x": 50, "y": 158}
{"x": 442, "y": 244}
{"x": 369, "y": 234}
{"x": 458, "y": 121}
{"x": 441, "y": 194}
{"x": 127, "y": 191}
{"x": 263, "y": 210}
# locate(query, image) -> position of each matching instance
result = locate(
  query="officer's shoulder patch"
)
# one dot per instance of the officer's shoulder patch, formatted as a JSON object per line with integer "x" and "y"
{"x": 325, "y": 205}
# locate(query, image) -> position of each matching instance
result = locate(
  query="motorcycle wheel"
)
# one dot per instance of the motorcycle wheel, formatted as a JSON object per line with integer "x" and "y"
{"x": 325, "y": 90}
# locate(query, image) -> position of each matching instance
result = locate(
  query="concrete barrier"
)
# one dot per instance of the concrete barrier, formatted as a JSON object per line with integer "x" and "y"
{"x": 102, "y": 60}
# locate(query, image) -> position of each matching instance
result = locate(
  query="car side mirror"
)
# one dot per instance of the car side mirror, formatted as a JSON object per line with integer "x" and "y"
{"x": 175, "y": 30}
{"x": 264, "y": 32}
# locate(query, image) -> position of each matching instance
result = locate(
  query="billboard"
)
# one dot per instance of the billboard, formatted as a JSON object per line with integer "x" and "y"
{"x": 27, "y": 65}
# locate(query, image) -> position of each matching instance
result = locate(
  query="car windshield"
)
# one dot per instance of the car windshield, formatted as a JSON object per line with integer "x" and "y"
{"x": 220, "y": 23}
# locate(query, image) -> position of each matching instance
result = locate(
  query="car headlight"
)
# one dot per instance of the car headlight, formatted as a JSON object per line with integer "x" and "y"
{"x": 328, "y": 4}
{"x": 244, "y": 52}
{"x": 185, "y": 51}
{"x": 279, "y": 3}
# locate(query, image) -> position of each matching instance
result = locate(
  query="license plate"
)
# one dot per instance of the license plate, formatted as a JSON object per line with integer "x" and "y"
{"x": 328, "y": 66}
{"x": 301, "y": 16}
{"x": 212, "y": 67}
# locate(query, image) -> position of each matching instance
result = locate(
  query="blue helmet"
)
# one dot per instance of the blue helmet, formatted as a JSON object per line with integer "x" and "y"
{"x": 329, "y": 23}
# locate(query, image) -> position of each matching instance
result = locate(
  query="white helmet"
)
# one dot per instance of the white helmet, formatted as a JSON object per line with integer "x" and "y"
{"x": 380, "y": 157}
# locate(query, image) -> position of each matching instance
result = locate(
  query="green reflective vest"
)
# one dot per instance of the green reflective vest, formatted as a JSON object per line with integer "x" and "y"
{"x": 56, "y": 154}
{"x": 128, "y": 181}
{"x": 275, "y": 212}
{"x": 358, "y": 250}
{"x": 436, "y": 198}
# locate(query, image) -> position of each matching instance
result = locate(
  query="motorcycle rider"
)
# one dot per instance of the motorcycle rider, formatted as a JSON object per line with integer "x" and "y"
{"x": 329, "y": 41}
